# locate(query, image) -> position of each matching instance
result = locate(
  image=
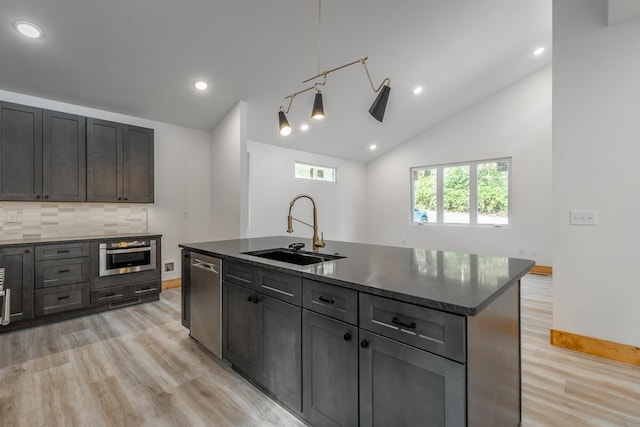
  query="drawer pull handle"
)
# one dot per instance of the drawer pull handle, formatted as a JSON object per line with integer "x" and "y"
{"x": 144, "y": 290}
{"x": 64, "y": 297}
{"x": 399, "y": 322}
{"x": 63, "y": 251}
{"x": 326, "y": 300}
{"x": 63, "y": 271}
{"x": 279, "y": 291}
{"x": 364, "y": 343}
{"x": 347, "y": 336}
{"x": 112, "y": 294}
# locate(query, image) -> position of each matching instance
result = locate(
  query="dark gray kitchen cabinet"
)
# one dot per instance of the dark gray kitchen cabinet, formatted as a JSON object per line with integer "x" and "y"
{"x": 330, "y": 371}
{"x": 18, "y": 276}
{"x": 104, "y": 161}
{"x": 278, "y": 350}
{"x": 185, "y": 287}
{"x": 119, "y": 162}
{"x": 238, "y": 339}
{"x": 20, "y": 152}
{"x": 64, "y": 157}
{"x": 138, "y": 164}
{"x": 403, "y": 385}
{"x": 262, "y": 334}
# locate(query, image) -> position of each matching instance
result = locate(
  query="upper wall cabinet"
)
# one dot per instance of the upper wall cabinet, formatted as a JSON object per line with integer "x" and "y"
{"x": 64, "y": 157}
{"x": 42, "y": 155}
{"x": 20, "y": 152}
{"x": 119, "y": 162}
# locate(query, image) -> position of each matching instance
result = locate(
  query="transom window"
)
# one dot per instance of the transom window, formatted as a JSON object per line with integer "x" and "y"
{"x": 474, "y": 193}
{"x": 315, "y": 172}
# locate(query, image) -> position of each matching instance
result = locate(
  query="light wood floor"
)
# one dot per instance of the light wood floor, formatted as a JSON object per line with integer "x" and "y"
{"x": 137, "y": 367}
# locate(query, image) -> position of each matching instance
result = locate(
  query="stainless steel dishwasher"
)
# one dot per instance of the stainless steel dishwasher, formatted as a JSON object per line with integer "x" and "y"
{"x": 206, "y": 302}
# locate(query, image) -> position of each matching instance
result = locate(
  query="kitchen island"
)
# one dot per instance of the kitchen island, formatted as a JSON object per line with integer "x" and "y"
{"x": 383, "y": 336}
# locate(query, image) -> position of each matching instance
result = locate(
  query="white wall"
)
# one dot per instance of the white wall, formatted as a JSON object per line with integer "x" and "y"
{"x": 272, "y": 186}
{"x": 596, "y": 145}
{"x": 181, "y": 176}
{"x": 515, "y": 122}
{"x": 229, "y": 175}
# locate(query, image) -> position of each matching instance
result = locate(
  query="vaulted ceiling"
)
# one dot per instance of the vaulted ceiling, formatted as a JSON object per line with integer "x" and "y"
{"x": 141, "y": 58}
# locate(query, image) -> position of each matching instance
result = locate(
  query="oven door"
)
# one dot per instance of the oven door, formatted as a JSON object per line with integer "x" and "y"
{"x": 127, "y": 260}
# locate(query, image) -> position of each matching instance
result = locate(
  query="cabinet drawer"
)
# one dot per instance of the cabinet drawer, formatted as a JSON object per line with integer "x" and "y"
{"x": 142, "y": 289}
{"x": 279, "y": 285}
{"x": 61, "y": 251}
{"x": 61, "y": 298}
{"x": 61, "y": 272}
{"x": 333, "y": 301}
{"x": 108, "y": 295}
{"x": 236, "y": 273}
{"x": 432, "y": 330}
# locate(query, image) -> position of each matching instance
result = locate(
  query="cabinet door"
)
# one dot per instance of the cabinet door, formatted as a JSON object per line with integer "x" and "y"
{"x": 278, "y": 351}
{"x": 238, "y": 331}
{"x": 64, "y": 157}
{"x": 138, "y": 164}
{"x": 104, "y": 161}
{"x": 185, "y": 288}
{"x": 20, "y": 152}
{"x": 404, "y": 386}
{"x": 18, "y": 276}
{"x": 330, "y": 371}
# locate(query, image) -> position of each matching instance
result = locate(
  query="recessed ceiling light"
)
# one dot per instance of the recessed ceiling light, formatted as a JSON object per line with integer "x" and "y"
{"x": 373, "y": 147}
{"x": 201, "y": 85}
{"x": 538, "y": 51}
{"x": 304, "y": 127}
{"x": 417, "y": 90}
{"x": 28, "y": 29}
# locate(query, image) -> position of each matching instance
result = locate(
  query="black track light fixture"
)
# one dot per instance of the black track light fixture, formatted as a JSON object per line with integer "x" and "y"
{"x": 285, "y": 127}
{"x": 380, "y": 104}
{"x": 317, "y": 114}
{"x": 377, "y": 109}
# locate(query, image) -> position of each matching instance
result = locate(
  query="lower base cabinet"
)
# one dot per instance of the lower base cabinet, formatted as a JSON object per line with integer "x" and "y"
{"x": 330, "y": 371}
{"x": 262, "y": 338}
{"x": 404, "y": 386}
{"x": 18, "y": 276}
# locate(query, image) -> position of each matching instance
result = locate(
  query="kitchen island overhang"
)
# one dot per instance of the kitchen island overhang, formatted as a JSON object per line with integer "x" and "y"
{"x": 454, "y": 282}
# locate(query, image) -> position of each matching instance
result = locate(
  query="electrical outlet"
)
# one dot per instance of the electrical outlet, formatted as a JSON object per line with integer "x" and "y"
{"x": 521, "y": 251}
{"x": 169, "y": 266}
{"x": 534, "y": 252}
{"x": 185, "y": 215}
{"x": 13, "y": 217}
{"x": 583, "y": 218}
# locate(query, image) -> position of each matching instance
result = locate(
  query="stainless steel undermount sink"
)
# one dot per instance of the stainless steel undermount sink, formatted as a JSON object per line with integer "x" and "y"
{"x": 293, "y": 256}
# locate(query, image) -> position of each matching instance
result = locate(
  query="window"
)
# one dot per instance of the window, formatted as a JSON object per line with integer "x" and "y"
{"x": 318, "y": 173}
{"x": 475, "y": 193}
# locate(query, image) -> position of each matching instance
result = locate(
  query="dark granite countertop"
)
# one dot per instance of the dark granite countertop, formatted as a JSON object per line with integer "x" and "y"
{"x": 458, "y": 283}
{"x": 70, "y": 239}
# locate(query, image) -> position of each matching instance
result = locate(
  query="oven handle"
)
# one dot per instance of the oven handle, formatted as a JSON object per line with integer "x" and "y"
{"x": 127, "y": 251}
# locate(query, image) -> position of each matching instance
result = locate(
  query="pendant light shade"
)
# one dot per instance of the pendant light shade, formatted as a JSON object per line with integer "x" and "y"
{"x": 317, "y": 113}
{"x": 380, "y": 104}
{"x": 285, "y": 127}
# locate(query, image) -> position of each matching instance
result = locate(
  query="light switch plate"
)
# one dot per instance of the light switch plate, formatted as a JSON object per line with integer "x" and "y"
{"x": 583, "y": 218}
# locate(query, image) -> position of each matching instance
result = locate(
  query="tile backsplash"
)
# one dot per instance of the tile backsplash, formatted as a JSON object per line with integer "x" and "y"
{"x": 29, "y": 220}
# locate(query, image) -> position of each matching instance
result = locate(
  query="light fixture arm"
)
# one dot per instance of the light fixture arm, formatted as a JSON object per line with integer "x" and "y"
{"x": 387, "y": 80}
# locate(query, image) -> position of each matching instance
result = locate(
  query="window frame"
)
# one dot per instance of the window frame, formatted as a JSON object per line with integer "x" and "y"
{"x": 473, "y": 192}
{"x": 299, "y": 163}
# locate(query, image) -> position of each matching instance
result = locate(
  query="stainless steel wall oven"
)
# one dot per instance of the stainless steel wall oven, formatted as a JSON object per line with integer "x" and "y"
{"x": 127, "y": 257}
